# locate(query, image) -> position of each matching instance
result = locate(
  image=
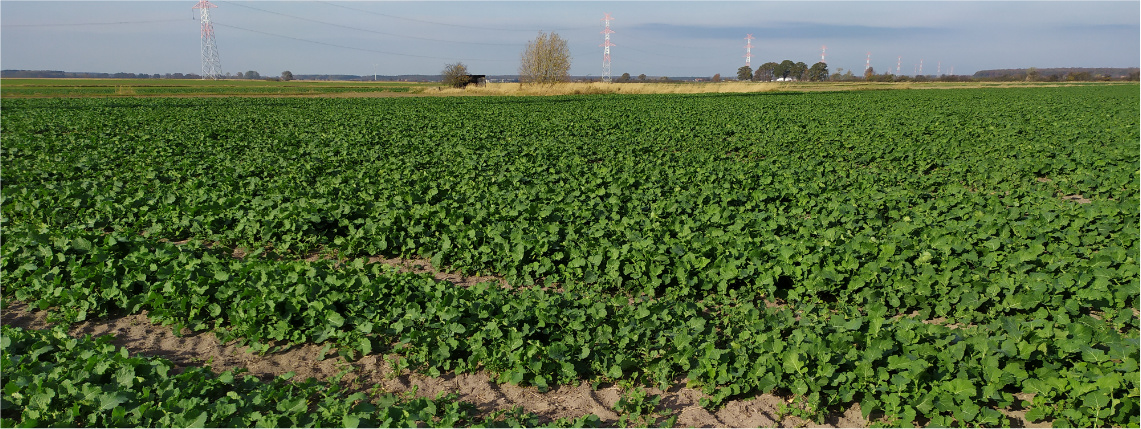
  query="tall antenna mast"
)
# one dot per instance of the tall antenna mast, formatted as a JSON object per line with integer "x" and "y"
{"x": 606, "y": 48}
{"x": 952, "y": 72}
{"x": 211, "y": 65}
{"x": 823, "y": 48}
{"x": 939, "y": 68}
{"x": 869, "y": 64}
{"x": 898, "y": 62}
{"x": 748, "y": 49}
{"x": 921, "y": 66}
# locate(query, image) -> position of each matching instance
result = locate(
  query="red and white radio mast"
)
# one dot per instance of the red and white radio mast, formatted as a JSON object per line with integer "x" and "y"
{"x": 898, "y": 62}
{"x": 748, "y": 49}
{"x": 606, "y": 48}
{"x": 823, "y": 48}
{"x": 211, "y": 65}
{"x": 869, "y": 64}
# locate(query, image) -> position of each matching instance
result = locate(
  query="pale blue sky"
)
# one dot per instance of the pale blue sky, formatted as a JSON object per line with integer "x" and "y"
{"x": 673, "y": 38}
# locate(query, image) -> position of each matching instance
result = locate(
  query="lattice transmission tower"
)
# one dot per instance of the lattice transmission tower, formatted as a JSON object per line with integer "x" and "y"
{"x": 748, "y": 49}
{"x": 606, "y": 48}
{"x": 211, "y": 65}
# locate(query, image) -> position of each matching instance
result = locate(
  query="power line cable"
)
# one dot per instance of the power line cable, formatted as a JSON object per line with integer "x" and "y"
{"x": 449, "y": 24}
{"x": 376, "y": 51}
{"x": 372, "y": 31}
{"x": 77, "y": 24}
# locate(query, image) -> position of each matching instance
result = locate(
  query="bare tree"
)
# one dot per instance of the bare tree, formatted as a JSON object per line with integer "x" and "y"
{"x": 1033, "y": 75}
{"x": 455, "y": 75}
{"x": 546, "y": 60}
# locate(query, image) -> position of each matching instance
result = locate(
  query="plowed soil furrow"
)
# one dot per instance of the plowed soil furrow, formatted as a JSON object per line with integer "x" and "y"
{"x": 139, "y": 335}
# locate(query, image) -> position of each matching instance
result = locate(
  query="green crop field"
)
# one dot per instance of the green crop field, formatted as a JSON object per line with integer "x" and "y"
{"x": 937, "y": 257}
{"x": 37, "y": 88}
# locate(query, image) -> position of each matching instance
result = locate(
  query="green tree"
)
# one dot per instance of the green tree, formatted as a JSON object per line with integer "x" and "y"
{"x": 287, "y": 75}
{"x": 546, "y": 60}
{"x": 869, "y": 73}
{"x": 455, "y": 75}
{"x": 785, "y": 69}
{"x": 818, "y": 72}
{"x": 799, "y": 71}
{"x": 716, "y": 77}
{"x": 765, "y": 71}
{"x": 624, "y": 78}
{"x": 253, "y": 75}
{"x": 744, "y": 73}
{"x": 642, "y": 77}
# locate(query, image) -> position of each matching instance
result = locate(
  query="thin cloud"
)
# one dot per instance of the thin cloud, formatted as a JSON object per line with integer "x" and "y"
{"x": 789, "y": 30}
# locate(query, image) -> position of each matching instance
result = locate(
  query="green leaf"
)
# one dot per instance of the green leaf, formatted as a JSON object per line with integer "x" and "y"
{"x": 1037, "y": 414}
{"x": 641, "y": 313}
{"x": 111, "y": 400}
{"x": 81, "y": 244}
{"x": 335, "y": 319}
{"x": 961, "y": 387}
{"x": 350, "y": 421}
{"x": 584, "y": 352}
{"x": 1096, "y": 400}
{"x": 365, "y": 346}
{"x": 40, "y": 401}
{"x": 614, "y": 372}
{"x": 515, "y": 377}
{"x": 293, "y": 406}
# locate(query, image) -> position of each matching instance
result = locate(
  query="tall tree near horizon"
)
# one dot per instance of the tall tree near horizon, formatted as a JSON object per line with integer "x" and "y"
{"x": 546, "y": 60}
{"x": 765, "y": 71}
{"x": 799, "y": 71}
{"x": 745, "y": 73}
{"x": 785, "y": 69}
{"x": 818, "y": 72}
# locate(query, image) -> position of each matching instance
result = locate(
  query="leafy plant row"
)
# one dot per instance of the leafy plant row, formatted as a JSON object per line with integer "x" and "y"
{"x": 895, "y": 209}
{"x": 51, "y": 379}
{"x": 836, "y": 198}
{"x": 1080, "y": 369}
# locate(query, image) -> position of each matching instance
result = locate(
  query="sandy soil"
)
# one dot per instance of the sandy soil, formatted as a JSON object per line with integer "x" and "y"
{"x": 140, "y": 336}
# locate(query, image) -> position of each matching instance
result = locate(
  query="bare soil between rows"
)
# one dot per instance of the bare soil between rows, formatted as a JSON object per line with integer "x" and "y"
{"x": 142, "y": 337}
{"x": 378, "y": 373}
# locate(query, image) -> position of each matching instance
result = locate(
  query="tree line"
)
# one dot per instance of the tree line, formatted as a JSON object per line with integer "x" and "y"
{"x": 784, "y": 71}
{"x": 1060, "y": 74}
{"x": 56, "y": 74}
